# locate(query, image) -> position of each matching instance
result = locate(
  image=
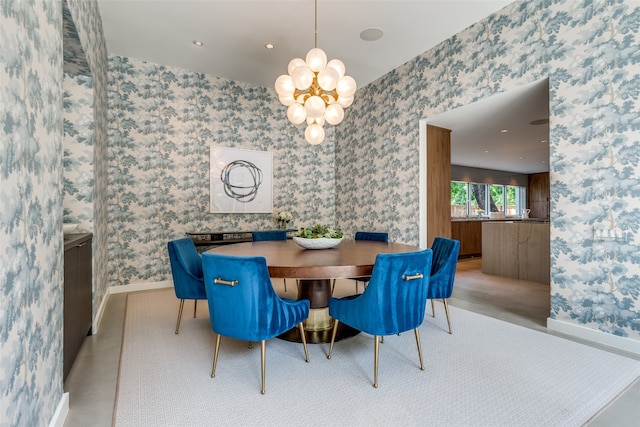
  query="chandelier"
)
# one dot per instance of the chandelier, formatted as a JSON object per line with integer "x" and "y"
{"x": 315, "y": 90}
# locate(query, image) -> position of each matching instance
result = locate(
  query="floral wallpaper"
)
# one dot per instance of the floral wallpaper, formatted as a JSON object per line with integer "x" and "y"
{"x": 31, "y": 213}
{"x": 590, "y": 51}
{"x": 162, "y": 121}
{"x": 37, "y": 41}
{"x": 78, "y": 150}
{"x": 85, "y": 142}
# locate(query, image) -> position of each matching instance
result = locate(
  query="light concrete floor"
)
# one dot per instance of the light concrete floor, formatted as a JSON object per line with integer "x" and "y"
{"x": 92, "y": 382}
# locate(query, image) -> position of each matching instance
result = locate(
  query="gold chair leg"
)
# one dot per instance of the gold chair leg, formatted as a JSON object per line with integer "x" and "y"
{"x": 333, "y": 337}
{"x": 333, "y": 286}
{"x": 263, "y": 350}
{"x": 419, "y": 348}
{"x": 376, "y": 347}
{"x": 382, "y": 339}
{"x": 304, "y": 341}
{"x": 179, "y": 316}
{"x": 215, "y": 356}
{"x": 433, "y": 311}
{"x": 446, "y": 310}
{"x": 195, "y": 307}
{"x": 250, "y": 344}
{"x": 285, "y": 284}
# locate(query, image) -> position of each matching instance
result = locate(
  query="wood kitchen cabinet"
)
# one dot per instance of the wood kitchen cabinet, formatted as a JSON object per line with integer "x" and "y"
{"x": 538, "y": 195}
{"x": 469, "y": 233}
{"x": 77, "y": 295}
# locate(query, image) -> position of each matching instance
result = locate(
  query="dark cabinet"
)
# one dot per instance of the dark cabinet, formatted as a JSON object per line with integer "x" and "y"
{"x": 469, "y": 233}
{"x": 77, "y": 296}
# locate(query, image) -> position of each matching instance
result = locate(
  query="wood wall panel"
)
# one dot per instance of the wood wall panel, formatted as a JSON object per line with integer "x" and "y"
{"x": 538, "y": 195}
{"x": 438, "y": 183}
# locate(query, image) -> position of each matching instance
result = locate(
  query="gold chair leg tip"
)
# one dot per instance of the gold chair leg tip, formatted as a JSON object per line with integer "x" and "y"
{"x": 375, "y": 386}
{"x": 329, "y": 357}
{"x": 262, "y": 392}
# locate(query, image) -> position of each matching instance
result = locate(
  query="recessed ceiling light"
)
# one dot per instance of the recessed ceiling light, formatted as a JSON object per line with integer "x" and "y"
{"x": 504, "y": 130}
{"x": 269, "y": 46}
{"x": 544, "y": 141}
{"x": 486, "y": 151}
{"x": 197, "y": 43}
{"x": 371, "y": 34}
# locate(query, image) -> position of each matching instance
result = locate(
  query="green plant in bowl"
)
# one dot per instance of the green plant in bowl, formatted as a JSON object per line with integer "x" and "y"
{"x": 319, "y": 231}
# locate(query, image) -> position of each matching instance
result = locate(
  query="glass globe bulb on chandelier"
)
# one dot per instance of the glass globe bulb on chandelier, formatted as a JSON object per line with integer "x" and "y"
{"x": 315, "y": 91}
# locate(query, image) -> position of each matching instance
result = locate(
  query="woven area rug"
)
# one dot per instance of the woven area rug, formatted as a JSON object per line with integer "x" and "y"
{"x": 488, "y": 373}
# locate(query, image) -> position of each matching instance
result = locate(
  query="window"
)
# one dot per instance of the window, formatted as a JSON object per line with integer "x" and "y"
{"x": 471, "y": 199}
{"x": 497, "y": 198}
{"x": 478, "y": 199}
{"x": 458, "y": 199}
{"x": 516, "y": 200}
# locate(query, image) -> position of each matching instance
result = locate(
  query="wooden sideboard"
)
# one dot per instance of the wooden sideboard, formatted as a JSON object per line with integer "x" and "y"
{"x": 78, "y": 291}
{"x": 207, "y": 239}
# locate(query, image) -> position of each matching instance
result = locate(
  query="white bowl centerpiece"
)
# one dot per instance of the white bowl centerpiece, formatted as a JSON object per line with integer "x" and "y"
{"x": 318, "y": 237}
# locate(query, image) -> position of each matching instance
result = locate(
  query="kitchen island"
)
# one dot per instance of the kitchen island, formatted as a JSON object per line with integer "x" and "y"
{"x": 517, "y": 249}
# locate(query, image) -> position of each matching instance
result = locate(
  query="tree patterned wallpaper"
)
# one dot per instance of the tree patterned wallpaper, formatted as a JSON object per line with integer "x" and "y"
{"x": 162, "y": 121}
{"x": 590, "y": 52}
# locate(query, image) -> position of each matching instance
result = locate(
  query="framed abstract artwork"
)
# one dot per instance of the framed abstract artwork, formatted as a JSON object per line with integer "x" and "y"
{"x": 241, "y": 181}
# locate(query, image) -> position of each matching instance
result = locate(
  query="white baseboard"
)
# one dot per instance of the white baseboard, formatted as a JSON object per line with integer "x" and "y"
{"x": 146, "y": 286}
{"x": 593, "y": 335}
{"x": 98, "y": 318}
{"x": 61, "y": 413}
{"x": 121, "y": 289}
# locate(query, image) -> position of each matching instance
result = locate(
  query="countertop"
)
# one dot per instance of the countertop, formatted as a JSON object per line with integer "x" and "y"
{"x": 511, "y": 219}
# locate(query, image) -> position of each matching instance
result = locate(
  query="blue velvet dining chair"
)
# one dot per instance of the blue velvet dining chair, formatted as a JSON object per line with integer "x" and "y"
{"x": 186, "y": 270}
{"x": 243, "y": 304}
{"x": 269, "y": 235}
{"x": 443, "y": 271}
{"x": 376, "y": 236}
{"x": 260, "y": 236}
{"x": 393, "y": 302}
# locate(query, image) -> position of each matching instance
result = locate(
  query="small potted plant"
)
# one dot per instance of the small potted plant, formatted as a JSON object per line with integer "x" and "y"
{"x": 318, "y": 237}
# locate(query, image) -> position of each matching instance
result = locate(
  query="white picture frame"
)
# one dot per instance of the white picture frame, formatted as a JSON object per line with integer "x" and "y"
{"x": 241, "y": 181}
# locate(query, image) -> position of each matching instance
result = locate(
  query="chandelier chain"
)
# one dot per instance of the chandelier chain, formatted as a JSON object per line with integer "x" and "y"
{"x": 315, "y": 35}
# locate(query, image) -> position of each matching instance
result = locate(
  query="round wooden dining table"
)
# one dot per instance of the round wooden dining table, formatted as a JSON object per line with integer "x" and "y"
{"x": 314, "y": 269}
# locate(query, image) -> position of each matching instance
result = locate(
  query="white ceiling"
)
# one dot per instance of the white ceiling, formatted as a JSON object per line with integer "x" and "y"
{"x": 476, "y": 140}
{"x": 235, "y": 32}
